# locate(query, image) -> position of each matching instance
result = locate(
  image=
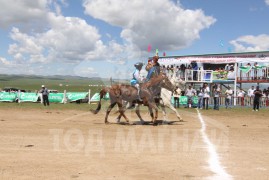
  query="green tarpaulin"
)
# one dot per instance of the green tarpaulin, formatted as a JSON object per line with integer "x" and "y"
{"x": 74, "y": 96}
{"x": 183, "y": 100}
{"x": 28, "y": 97}
{"x": 56, "y": 97}
{"x": 8, "y": 97}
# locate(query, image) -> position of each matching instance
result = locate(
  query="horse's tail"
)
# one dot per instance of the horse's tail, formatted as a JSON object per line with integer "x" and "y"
{"x": 102, "y": 95}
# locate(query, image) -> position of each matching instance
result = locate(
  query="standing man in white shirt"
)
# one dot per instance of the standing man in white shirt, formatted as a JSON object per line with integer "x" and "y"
{"x": 241, "y": 96}
{"x": 251, "y": 91}
{"x": 216, "y": 93}
{"x": 176, "y": 94}
{"x": 45, "y": 95}
{"x": 190, "y": 92}
{"x": 228, "y": 98}
{"x": 206, "y": 96}
{"x": 251, "y": 94}
{"x": 200, "y": 94}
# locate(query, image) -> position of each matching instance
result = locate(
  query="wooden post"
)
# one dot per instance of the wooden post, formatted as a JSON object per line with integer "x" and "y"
{"x": 65, "y": 98}
{"x": 89, "y": 102}
{"x": 19, "y": 93}
{"x": 235, "y": 82}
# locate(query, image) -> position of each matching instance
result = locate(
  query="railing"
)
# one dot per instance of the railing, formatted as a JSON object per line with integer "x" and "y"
{"x": 254, "y": 74}
{"x": 198, "y": 75}
{"x": 242, "y": 101}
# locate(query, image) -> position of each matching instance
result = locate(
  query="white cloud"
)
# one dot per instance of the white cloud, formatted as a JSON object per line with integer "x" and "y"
{"x": 28, "y": 14}
{"x": 4, "y": 62}
{"x": 41, "y": 34}
{"x": 251, "y": 43}
{"x": 162, "y": 24}
{"x": 69, "y": 39}
{"x": 267, "y": 2}
{"x": 59, "y": 38}
{"x": 85, "y": 71}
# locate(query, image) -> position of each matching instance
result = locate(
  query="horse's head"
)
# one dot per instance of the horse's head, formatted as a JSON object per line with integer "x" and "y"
{"x": 177, "y": 81}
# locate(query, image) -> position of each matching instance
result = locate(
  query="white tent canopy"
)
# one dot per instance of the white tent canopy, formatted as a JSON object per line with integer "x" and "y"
{"x": 249, "y": 57}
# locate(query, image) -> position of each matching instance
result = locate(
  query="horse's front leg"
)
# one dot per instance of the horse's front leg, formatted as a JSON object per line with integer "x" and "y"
{"x": 110, "y": 107}
{"x": 137, "y": 111}
{"x": 124, "y": 106}
{"x": 174, "y": 109}
{"x": 121, "y": 110}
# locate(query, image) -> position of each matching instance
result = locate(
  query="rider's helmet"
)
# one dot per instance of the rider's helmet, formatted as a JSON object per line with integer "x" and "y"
{"x": 138, "y": 65}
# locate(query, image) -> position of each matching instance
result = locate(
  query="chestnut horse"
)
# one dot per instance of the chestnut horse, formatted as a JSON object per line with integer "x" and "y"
{"x": 166, "y": 84}
{"x": 122, "y": 92}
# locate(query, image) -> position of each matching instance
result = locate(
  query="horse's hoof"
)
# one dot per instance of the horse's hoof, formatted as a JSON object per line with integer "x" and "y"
{"x": 118, "y": 120}
{"x": 106, "y": 122}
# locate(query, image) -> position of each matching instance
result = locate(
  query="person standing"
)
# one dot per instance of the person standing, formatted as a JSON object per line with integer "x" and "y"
{"x": 176, "y": 94}
{"x": 257, "y": 96}
{"x": 206, "y": 96}
{"x": 216, "y": 97}
{"x": 241, "y": 95}
{"x": 45, "y": 95}
{"x": 251, "y": 94}
{"x": 190, "y": 92}
{"x": 182, "y": 69}
{"x": 228, "y": 98}
{"x": 200, "y": 94}
{"x": 195, "y": 69}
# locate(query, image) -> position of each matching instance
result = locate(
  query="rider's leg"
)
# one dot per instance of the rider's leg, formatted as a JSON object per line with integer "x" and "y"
{"x": 138, "y": 92}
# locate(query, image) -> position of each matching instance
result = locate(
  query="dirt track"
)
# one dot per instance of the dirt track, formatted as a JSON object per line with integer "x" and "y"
{"x": 72, "y": 144}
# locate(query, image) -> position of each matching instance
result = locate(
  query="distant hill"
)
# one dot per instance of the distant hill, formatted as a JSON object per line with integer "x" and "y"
{"x": 58, "y": 82}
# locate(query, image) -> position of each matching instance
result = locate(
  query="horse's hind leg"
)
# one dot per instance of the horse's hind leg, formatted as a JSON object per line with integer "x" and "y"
{"x": 108, "y": 111}
{"x": 151, "y": 114}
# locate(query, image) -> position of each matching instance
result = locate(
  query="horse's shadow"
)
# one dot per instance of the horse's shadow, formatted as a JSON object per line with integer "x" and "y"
{"x": 158, "y": 122}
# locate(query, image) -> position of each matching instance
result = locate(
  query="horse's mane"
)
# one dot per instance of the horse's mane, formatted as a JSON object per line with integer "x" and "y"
{"x": 153, "y": 81}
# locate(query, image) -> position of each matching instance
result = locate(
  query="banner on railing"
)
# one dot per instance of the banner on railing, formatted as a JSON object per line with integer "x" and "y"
{"x": 28, "y": 97}
{"x": 8, "y": 96}
{"x": 74, "y": 96}
{"x": 183, "y": 100}
{"x": 223, "y": 75}
{"x": 56, "y": 97}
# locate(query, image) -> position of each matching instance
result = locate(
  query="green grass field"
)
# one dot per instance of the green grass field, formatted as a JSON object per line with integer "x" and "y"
{"x": 60, "y": 83}
{"x": 53, "y": 106}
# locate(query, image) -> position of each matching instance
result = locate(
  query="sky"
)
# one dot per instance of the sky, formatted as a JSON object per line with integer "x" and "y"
{"x": 105, "y": 38}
